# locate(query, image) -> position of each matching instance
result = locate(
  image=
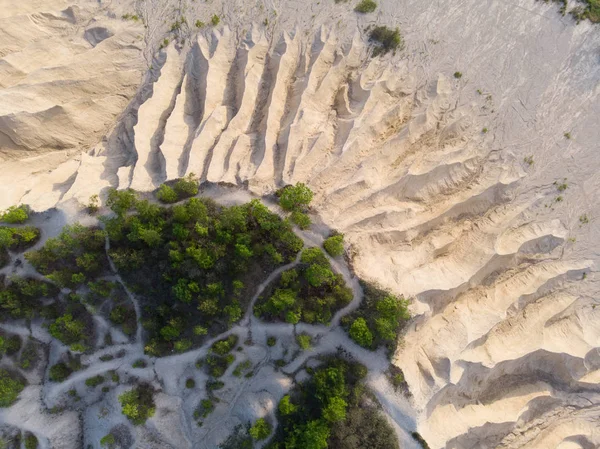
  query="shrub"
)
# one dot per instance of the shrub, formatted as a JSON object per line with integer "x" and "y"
{"x": 334, "y": 245}
{"x": 190, "y": 383}
{"x": 59, "y": 372}
{"x": 68, "y": 330}
{"x": 295, "y": 198}
{"x": 366, "y": 6}
{"x": 31, "y": 441}
{"x": 15, "y": 214}
{"x": 11, "y": 386}
{"x": 139, "y": 363}
{"x": 385, "y": 40}
{"x": 360, "y": 333}
{"x": 260, "y": 430}
{"x": 285, "y": 406}
{"x": 166, "y": 194}
{"x": 138, "y": 404}
{"x": 199, "y": 24}
{"x": 186, "y": 187}
{"x": 304, "y": 341}
{"x": 457, "y": 75}
{"x": 215, "y": 20}
{"x": 94, "y": 381}
{"x": 301, "y": 219}
{"x": 107, "y": 440}
{"x": 93, "y": 204}
{"x": 271, "y": 341}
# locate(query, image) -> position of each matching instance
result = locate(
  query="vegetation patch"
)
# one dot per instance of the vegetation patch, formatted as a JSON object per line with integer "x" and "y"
{"x": 21, "y": 298}
{"x": 366, "y": 6}
{"x": 385, "y": 39}
{"x": 63, "y": 369}
{"x": 137, "y": 404}
{"x": 15, "y": 214}
{"x": 73, "y": 258}
{"x": 334, "y": 410}
{"x": 379, "y": 319}
{"x": 11, "y": 385}
{"x": 195, "y": 263}
{"x": 18, "y": 239}
{"x": 312, "y": 292}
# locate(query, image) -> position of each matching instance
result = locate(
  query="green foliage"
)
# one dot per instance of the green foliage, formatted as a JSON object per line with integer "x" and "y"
{"x": 304, "y": 341}
{"x": 271, "y": 341}
{"x": 21, "y": 298}
{"x": 360, "y": 333}
{"x": 166, "y": 194}
{"x": 286, "y": 407}
{"x": 589, "y": 10}
{"x": 419, "y": 439}
{"x": 11, "y": 385}
{"x": 225, "y": 345}
{"x": 107, "y": 440}
{"x": 295, "y": 198}
{"x": 190, "y": 383}
{"x": 121, "y": 201}
{"x": 260, "y": 430}
{"x": 385, "y": 39}
{"x": 335, "y": 410}
{"x": 94, "y": 381}
{"x": 93, "y": 205}
{"x": 366, "y": 6}
{"x": 301, "y": 219}
{"x": 138, "y": 404}
{"x": 458, "y": 75}
{"x": 139, "y": 363}
{"x": 201, "y": 256}
{"x": 68, "y": 330}
{"x": 18, "y": 239}
{"x": 334, "y": 245}
{"x": 76, "y": 251}
{"x": 31, "y": 441}
{"x": 15, "y": 214}
{"x": 200, "y": 24}
{"x": 61, "y": 370}
{"x": 186, "y": 187}
{"x": 379, "y": 319}
{"x": 205, "y": 408}
{"x": 311, "y": 293}
{"x": 215, "y": 20}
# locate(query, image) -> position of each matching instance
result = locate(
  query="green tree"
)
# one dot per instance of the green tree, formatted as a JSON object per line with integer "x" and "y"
{"x": 360, "y": 333}
{"x": 313, "y": 435}
{"x": 120, "y": 201}
{"x": 138, "y": 404}
{"x": 166, "y": 194}
{"x": 260, "y": 430}
{"x": 334, "y": 245}
{"x": 295, "y": 198}
{"x": 335, "y": 410}
{"x": 286, "y": 407}
{"x": 301, "y": 219}
{"x": 304, "y": 341}
{"x": 318, "y": 275}
{"x": 15, "y": 214}
{"x": 10, "y": 388}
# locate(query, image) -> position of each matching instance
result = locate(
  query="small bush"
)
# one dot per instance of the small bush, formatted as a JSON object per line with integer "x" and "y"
{"x": 166, "y": 194}
{"x": 366, "y": 6}
{"x": 190, "y": 383}
{"x": 107, "y": 440}
{"x": 260, "y": 430}
{"x": 31, "y": 441}
{"x": 215, "y": 20}
{"x": 385, "y": 40}
{"x": 360, "y": 333}
{"x": 94, "y": 381}
{"x": 140, "y": 363}
{"x": 186, "y": 187}
{"x": 295, "y": 198}
{"x": 334, "y": 245}
{"x": 200, "y": 24}
{"x": 271, "y": 341}
{"x": 304, "y": 341}
{"x": 457, "y": 75}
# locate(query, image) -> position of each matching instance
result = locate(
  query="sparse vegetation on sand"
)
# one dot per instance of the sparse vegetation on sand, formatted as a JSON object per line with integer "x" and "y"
{"x": 366, "y": 6}
{"x": 385, "y": 39}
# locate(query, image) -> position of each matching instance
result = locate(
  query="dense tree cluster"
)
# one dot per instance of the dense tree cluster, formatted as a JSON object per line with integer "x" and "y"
{"x": 312, "y": 292}
{"x": 194, "y": 262}
{"x": 16, "y": 239}
{"x": 379, "y": 319}
{"x": 332, "y": 410}
{"x": 74, "y": 257}
{"x": 21, "y": 298}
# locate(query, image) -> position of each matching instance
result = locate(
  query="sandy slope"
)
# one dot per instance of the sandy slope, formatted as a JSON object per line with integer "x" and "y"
{"x": 504, "y": 350}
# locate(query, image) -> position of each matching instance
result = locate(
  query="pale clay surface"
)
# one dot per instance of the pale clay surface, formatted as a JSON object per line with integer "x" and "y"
{"x": 503, "y": 352}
